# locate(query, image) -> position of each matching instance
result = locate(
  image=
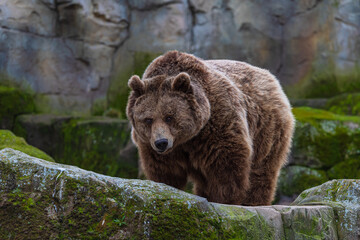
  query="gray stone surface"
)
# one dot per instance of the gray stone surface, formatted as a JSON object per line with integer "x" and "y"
{"x": 51, "y": 200}
{"x": 343, "y": 195}
{"x": 74, "y": 52}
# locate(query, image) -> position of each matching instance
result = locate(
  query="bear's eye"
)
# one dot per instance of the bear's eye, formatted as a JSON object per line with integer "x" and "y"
{"x": 168, "y": 119}
{"x": 148, "y": 121}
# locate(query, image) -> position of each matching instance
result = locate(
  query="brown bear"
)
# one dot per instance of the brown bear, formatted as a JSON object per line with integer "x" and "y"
{"x": 225, "y": 125}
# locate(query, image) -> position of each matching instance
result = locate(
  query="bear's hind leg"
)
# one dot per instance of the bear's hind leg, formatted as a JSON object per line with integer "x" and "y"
{"x": 265, "y": 171}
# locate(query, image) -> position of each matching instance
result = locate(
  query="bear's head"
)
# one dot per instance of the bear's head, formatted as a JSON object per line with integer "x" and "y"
{"x": 166, "y": 111}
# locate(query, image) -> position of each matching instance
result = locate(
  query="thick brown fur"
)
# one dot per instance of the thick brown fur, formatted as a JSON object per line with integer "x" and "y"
{"x": 228, "y": 127}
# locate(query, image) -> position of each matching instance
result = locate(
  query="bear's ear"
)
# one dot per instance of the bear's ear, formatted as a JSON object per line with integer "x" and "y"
{"x": 182, "y": 83}
{"x": 137, "y": 85}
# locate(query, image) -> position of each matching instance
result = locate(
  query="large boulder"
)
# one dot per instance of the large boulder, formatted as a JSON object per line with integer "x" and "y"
{"x": 344, "y": 197}
{"x": 47, "y": 200}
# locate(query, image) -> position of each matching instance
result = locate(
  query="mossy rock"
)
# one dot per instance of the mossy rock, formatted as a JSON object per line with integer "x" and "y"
{"x": 99, "y": 144}
{"x": 9, "y": 140}
{"x": 306, "y": 114}
{"x": 349, "y": 168}
{"x": 323, "y": 139}
{"x": 12, "y": 103}
{"x": 95, "y": 144}
{"x": 325, "y": 146}
{"x": 345, "y": 104}
{"x": 57, "y": 201}
{"x": 295, "y": 179}
{"x": 343, "y": 196}
{"x": 43, "y": 131}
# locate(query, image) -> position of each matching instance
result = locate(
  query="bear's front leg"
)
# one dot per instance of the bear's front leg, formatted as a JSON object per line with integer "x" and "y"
{"x": 227, "y": 174}
{"x": 165, "y": 168}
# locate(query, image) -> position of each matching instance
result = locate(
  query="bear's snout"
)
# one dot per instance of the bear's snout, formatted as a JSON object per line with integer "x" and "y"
{"x": 161, "y": 144}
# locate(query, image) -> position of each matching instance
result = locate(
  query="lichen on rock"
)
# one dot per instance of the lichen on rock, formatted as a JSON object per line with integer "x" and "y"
{"x": 40, "y": 199}
{"x": 343, "y": 196}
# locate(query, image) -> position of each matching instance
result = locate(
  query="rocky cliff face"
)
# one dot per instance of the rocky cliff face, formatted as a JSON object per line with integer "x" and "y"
{"x": 77, "y": 55}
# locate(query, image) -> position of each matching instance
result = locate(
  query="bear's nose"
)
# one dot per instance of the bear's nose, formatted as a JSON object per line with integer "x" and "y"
{"x": 161, "y": 144}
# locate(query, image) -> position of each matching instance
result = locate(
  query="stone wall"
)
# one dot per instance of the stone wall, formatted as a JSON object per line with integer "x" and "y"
{"x": 77, "y": 55}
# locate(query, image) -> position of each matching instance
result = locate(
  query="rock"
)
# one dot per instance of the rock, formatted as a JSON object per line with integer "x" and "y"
{"x": 344, "y": 197}
{"x": 295, "y": 179}
{"x": 323, "y": 139}
{"x": 66, "y": 64}
{"x": 74, "y": 53}
{"x": 40, "y": 199}
{"x": 9, "y": 140}
{"x": 346, "y": 104}
{"x": 350, "y": 168}
{"x": 325, "y": 146}
{"x": 102, "y": 22}
{"x": 313, "y": 103}
{"x": 43, "y": 131}
{"x": 12, "y": 103}
{"x": 36, "y": 17}
{"x": 99, "y": 144}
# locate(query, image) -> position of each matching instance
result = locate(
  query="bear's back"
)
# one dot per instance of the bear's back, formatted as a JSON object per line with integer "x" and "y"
{"x": 257, "y": 83}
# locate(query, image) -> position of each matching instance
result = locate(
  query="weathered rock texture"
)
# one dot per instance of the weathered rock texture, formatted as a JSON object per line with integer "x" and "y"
{"x": 40, "y": 199}
{"x": 344, "y": 197}
{"x": 78, "y": 55}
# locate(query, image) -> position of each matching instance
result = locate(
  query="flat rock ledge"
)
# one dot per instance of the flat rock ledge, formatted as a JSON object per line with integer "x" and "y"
{"x": 46, "y": 200}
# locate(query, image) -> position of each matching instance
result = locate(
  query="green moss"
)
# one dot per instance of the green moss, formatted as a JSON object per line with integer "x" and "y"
{"x": 171, "y": 220}
{"x": 58, "y": 215}
{"x": 243, "y": 224}
{"x": 348, "y": 169}
{"x": 323, "y": 139}
{"x": 304, "y": 227}
{"x": 345, "y": 104}
{"x": 9, "y": 140}
{"x": 12, "y": 103}
{"x": 99, "y": 106}
{"x": 308, "y": 114}
{"x": 118, "y": 91}
{"x": 113, "y": 113}
{"x": 89, "y": 144}
{"x": 322, "y": 144}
